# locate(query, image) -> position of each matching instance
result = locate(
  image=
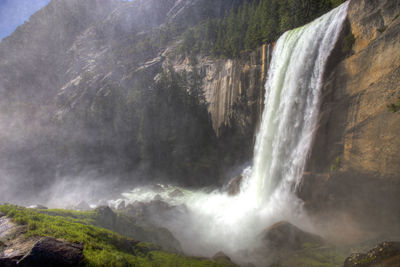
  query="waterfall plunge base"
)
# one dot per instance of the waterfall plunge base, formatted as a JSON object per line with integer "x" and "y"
{"x": 215, "y": 221}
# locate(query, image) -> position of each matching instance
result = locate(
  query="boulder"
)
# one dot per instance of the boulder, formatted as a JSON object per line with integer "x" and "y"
{"x": 82, "y": 206}
{"x": 9, "y": 262}
{"x": 176, "y": 193}
{"x": 106, "y": 217}
{"x": 386, "y": 254}
{"x": 285, "y": 236}
{"x": 158, "y": 197}
{"x": 221, "y": 256}
{"x": 234, "y": 185}
{"x": 121, "y": 205}
{"x": 49, "y": 251}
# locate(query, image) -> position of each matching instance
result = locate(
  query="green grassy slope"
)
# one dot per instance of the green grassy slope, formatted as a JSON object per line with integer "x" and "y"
{"x": 101, "y": 247}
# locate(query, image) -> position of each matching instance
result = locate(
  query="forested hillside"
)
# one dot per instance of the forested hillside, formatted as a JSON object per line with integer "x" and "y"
{"x": 251, "y": 24}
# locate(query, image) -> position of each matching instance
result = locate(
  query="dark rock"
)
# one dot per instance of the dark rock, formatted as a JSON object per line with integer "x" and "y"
{"x": 222, "y": 258}
{"x": 2, "y": 214}
{"x": 157, "y": 188}
{"x": 9, "y": 262}
{"x": 106, "y": 217}
{"x": 285, "y": 236}
{"x": 121, "y": 205}
{"x": 38, "y": 207}
{"x": 145, "y": 224}
{"x": 234, "y": 185}
{"x": 221, "y": 255}
{"x": 82, "y": 206}
{"x": 158, "y": 198}
{"x": 135, "y": 210}
{"x": 52, "y": 252}
{"x": 386, "y": 254}
{"x": 176, "y": 193}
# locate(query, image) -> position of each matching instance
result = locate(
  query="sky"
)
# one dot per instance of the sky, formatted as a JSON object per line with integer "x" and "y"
{"x": 15, "y": 12}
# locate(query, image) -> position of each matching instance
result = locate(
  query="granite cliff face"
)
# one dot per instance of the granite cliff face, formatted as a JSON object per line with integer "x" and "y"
{"x": 234, "y": 93}
{"x": 233, "y": 88}
{"x": 74, "y": 83}
{"x": 354, "y": 165}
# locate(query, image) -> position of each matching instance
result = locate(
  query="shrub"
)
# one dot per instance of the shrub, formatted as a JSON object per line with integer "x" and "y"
{"x": 348, "y": 43}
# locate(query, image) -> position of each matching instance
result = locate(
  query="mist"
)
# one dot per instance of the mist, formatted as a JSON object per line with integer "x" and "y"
{"x": 167, "y": 113}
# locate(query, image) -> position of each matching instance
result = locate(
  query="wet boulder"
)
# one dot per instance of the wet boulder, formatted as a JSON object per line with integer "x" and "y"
{"x": 49, "y": 251}
{"x": 234, "y": 185}
{"x": 82, "y": 206}
{"x": 286, "y": 236}
{"x": 176, "y": 193}
{"x": 386, "y": 254}
{"x": 121, "y": 205}
{"x": 105, "y": 217}
{"x": 222, "y": 258}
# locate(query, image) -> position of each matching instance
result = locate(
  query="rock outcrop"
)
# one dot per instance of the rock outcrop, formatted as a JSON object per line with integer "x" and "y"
{"x": 233, "y": 88}
{"x": 286, "y": 236}
{"x": 49, "y": 251}
{"x": 18, "y": 250}
{"x": 354, "y": 164}
{"x": 135, "y": 221}
{"x": 386, "y": 254}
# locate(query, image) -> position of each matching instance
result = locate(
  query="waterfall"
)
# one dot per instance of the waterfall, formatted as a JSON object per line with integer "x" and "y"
{"x": 291, "y": 105}
{"x": 215, "y": 221}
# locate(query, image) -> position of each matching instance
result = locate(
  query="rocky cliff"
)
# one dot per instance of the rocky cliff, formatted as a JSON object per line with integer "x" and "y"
{"x": 233, "y": 88}
{"x": 354, "y": 165}
{"x": 234, "y": 93}
{"x": 78, "y": 92}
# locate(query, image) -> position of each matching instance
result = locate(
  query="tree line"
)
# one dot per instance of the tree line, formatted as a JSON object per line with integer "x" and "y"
{"x": 251, "y": 24}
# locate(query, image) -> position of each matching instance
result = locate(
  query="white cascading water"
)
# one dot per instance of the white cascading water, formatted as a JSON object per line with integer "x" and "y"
{"x": 291, "y": 104}
{"x": 215, "y": 221}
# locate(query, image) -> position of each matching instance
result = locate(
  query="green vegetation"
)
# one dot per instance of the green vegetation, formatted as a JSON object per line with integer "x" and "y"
{"x": 314, "y": 257}
{"x": 176, "y": 102}
{"x": 101, "y": 247}
{"x": 370, "y": 259}
{"x": 335, "y": 164}
{"x": 348, "y": 43}
{"x": 250, "y": 25}
{"x": 394, "y": 107}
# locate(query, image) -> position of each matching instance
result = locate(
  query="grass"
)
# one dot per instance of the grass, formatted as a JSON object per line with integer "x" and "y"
{"x": 320, "y": 257}
{"x": 102, "y": 247}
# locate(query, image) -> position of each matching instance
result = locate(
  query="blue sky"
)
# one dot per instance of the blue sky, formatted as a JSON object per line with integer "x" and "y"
{"x": 14, "y": 12}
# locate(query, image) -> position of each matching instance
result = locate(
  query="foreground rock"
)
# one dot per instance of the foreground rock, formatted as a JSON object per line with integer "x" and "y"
{"x": 285, "y": 236}
{"x": 234, "y": 185}
{"x": 48, "y": 251}
{"x": 222, "y": 258}
{"x": 52, "y": 252}
{"x": 133, "y": 222}
{"x": 386, "y": 254}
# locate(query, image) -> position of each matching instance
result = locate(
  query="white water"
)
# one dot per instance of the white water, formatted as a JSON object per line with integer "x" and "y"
{"x": 216, "y": 221}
